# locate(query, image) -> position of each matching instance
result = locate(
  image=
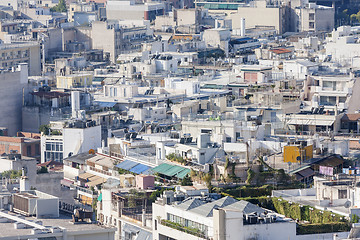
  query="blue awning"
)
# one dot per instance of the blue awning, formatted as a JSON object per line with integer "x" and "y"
{"x": 107, "y": 104}
{"x": 140, "y": 168}
{"x": 127, "y": 164}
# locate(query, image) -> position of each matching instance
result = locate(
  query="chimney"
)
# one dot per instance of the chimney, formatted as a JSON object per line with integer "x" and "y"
{"x": 24, "y": 184}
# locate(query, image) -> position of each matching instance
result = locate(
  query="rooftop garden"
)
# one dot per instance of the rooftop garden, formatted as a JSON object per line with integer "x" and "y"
{"x": 193, "y": 231}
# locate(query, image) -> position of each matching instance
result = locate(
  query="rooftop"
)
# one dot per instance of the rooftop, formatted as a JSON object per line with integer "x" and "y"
{"x": 7, "y": 230}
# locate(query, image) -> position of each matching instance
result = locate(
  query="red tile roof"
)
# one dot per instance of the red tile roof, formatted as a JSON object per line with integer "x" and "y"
{"x": 280, "y": 50}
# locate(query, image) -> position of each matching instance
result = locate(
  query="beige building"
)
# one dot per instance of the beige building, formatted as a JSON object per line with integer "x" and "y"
{"x": 12, "y": 55}
{"x": 261, "y": 15}
{"x": 74, "y": 80}
{"x": 315, "y": 18}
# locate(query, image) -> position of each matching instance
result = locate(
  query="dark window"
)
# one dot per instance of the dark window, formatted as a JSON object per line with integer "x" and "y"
{"x": 28, "y": 151}
{"x": 342, "y": 194}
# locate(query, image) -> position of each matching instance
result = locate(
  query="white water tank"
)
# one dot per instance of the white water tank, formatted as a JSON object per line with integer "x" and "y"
{"x": 75, "y": 103}
{"x": 242, "y": 27}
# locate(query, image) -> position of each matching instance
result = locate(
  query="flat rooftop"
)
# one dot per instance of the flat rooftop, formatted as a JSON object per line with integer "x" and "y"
{"x": 64, "y": 221}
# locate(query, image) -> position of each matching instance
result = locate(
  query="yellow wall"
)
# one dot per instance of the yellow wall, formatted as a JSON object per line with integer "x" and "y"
{"x": 85, "y": 199}
{"x": 73, "y": 81}
{"x": 291, "y": 153}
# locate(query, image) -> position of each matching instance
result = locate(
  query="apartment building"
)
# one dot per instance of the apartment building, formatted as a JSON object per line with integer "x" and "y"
{"x": 132, "y": 10}
{"x": 76, "y": 80}
{"x": 120, "y": 37}
{"x": 329, "y": 92}
{"x": 26, "y": 144}
{"x": 314, "y": 18}
{"x": 12, "y": 55}
{"x": 225, "y": 218}
{"x": 75, "y": 137}
{"x": 11, "y": 91}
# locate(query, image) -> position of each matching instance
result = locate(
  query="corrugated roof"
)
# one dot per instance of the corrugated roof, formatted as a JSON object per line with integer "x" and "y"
{"x": 96, "y": 181}
{"x": 245, "y": 207}
{"x": 191, "y": 203}
{"x": 162, "y": 168}
{"x": 207, "y": 209}
{"x": 183, "y": 173}
{"x": 107, "y": 104}
{"x": 140, "y": 168}
{"x": 171, "y": 170}
{"x": 86, "y": 175}
{"x": 127, "y": 165}
{"x": 174, "y": 170}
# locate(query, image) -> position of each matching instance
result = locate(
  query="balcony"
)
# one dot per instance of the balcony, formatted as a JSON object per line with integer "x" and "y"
{"x": 188, "y": 230}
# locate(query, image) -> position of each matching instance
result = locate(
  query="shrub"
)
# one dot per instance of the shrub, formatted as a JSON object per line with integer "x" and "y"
{"x": 322, "y": 228}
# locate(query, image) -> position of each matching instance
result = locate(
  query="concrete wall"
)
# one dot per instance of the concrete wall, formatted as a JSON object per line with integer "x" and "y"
{"x": 78, "y": 140}
{"x": 11, "y": 92}
{"x": 47, "y": 208}
{"x": 98, "y": 34}
{"x": 258, "y": 17}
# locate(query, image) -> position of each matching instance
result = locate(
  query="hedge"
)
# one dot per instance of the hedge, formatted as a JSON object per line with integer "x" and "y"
{"x": 177, "y": 226}
{"x": 322, "y": 228}
{"x": 248, "y": 191}
{"x": 304, "y": 213}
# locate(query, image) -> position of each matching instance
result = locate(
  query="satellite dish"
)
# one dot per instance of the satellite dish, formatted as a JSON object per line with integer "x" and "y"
{"x": 347, "y": 204}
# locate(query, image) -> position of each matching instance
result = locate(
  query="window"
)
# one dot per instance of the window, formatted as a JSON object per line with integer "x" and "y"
{"x": 37, "y": 149}
{"x": 311, "y": 16}
{"x": 28, "y": 151}
{"x": 311, "y": 25}
{"x": 48, "y": 146}
{"x": 342, "y": 194}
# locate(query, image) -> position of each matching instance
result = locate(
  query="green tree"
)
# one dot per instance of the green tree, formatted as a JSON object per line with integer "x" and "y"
{"x": 60, "y": 7}
{"x": 12, "y": 174}
{"x": 250, "y": 176}
{"x": 45, "y": 129}
{"x": 207, "y": 179}
{"x": 43, "y": 169}
{"x": 186, "y": 181}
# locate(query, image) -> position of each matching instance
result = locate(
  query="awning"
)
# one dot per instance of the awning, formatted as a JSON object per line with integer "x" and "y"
{"x": 127, "y": 164}
{"x": 106, "y": 104}
{"x": 311, "y": 122}
{"x": 140, "y": 168}
{"x": 86, "y": 176}
{"x": 183, "y": 173}
{"x": 171, "y": 170}
{"x": 100, "y": 197}
{"x": 66, "y": 182}
{"x": 95, "y": 181}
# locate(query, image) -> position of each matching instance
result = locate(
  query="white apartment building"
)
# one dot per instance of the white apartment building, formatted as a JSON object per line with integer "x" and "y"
{"x": 331, "y": 92}
{"x": 74, "y": 138}
{"x": 223, "y": 219}
{"x": 343, "y": 46}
